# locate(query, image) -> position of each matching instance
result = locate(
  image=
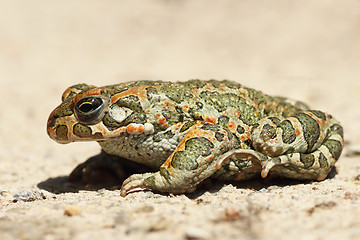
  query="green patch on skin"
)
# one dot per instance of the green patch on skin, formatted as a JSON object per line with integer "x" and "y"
{"x": 231, "y": 84}
{"x": 164, "y": 172}
{"x": 268, "y": 132}
{"x": 214, "y": 99}
{"x": 138, "y": 116}
{"x": 150, "y": 181}
{"x": 288, "y": 135}
{"x": 237, "y": 142}
{"x": 311, "y": 129}
{"x": 115, "y": 89}
{"x": 337, "y": 129}
{"x": 223, "y": 121}
{"x": 216, "y": 129}
{"x": 163, "y": 135}
{"x": 82, "y": 130}
{"x": 65, "y": 111}
{"x": 194, "y": 148}
{"x": 62, "y": 111}
{"x": 152, "y": 94}
{"x": 221, "y": 102}
{"x": 256, "y": 95}
{"x": 334, "y": 147}
{"x": 307, "y": 160}
{"x": 110, "y": 123}
{"x": 171, "y": 116}
{"x": 195, "y": 83}
{"x": 219, "y": 136}
{"x": 194, "y": 111}
{"x": 323, "y": 161}
{"x": 318, "y": 114}
{"x": 187, "y": 125}
{"x": 78, "y": 88}
{"x": 177, "y": 94}
{"x": 135, "y": 118}
{"x": 62, "y": 132}
{"x": 211, "y": 127}
{"x": 131, "y": 102}
{"x": 240, "y": 129}
{"x": 275, "y": 120}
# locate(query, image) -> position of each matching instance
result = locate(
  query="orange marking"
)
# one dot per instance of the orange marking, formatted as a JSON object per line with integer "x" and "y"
{"x": 161, "y": 120}
{"x": 186, "y": 108}
{"x": 131, "y": 128}
{"x": 165, "y": 125}
{"x": 119, "y": 130}
{"x": 137, "y": 91}
{"x": 210, "y": 119}
{"x": 232, "y": 126}
{"x": 297, "y": 132}
{"x": 91, "y": 92}
{"x": 67, "y": 92}
{"x": 100, "y": 129}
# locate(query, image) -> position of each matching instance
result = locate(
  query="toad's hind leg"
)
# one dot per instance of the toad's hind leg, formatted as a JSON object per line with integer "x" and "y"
{"x": 303, "y": 146}
{"x": 193, "y": 160}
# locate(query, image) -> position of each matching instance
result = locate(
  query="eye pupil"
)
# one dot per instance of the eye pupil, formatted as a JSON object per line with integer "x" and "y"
{"x": 86, "y": 107}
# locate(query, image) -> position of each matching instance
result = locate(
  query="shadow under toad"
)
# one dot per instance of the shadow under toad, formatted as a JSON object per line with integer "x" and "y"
{"x": 212, "y": 187}
{"x": 98, "y": 172}
{"x": 62, "y": 184}
{"x": 108, "y": 172}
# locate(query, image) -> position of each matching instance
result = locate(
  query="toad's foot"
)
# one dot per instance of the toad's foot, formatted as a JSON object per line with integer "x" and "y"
{"x": 152, "y": 181}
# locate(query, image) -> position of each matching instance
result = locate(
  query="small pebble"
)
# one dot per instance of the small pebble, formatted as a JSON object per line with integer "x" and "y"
{"x": 196, "y": 233}
{"x": 232, "y": 213}
{"x": 28, "y": 196}
{"x": 72, "y": 210}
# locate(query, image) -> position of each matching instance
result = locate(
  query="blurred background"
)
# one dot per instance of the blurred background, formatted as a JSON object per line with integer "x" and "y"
{"x": 303, "y": 49}
{"x": 307, "y": 50}
{"x": 255, "y": 42}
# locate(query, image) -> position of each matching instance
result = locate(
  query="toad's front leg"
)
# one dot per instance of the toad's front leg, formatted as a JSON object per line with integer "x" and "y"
{"x": 193, "y": 160}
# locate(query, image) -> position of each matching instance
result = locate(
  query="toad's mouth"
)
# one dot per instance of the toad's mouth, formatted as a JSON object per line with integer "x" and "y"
{"x": 69, "y": 130}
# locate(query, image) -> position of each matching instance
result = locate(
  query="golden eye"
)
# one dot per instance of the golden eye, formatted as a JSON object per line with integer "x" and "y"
{"x": 90, "y": 110}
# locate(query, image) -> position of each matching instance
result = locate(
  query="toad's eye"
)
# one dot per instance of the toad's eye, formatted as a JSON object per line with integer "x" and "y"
{"x": 90, "y": 110}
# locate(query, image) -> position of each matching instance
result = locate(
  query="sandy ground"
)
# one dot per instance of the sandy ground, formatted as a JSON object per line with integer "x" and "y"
{"x": 308, "y": 50}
